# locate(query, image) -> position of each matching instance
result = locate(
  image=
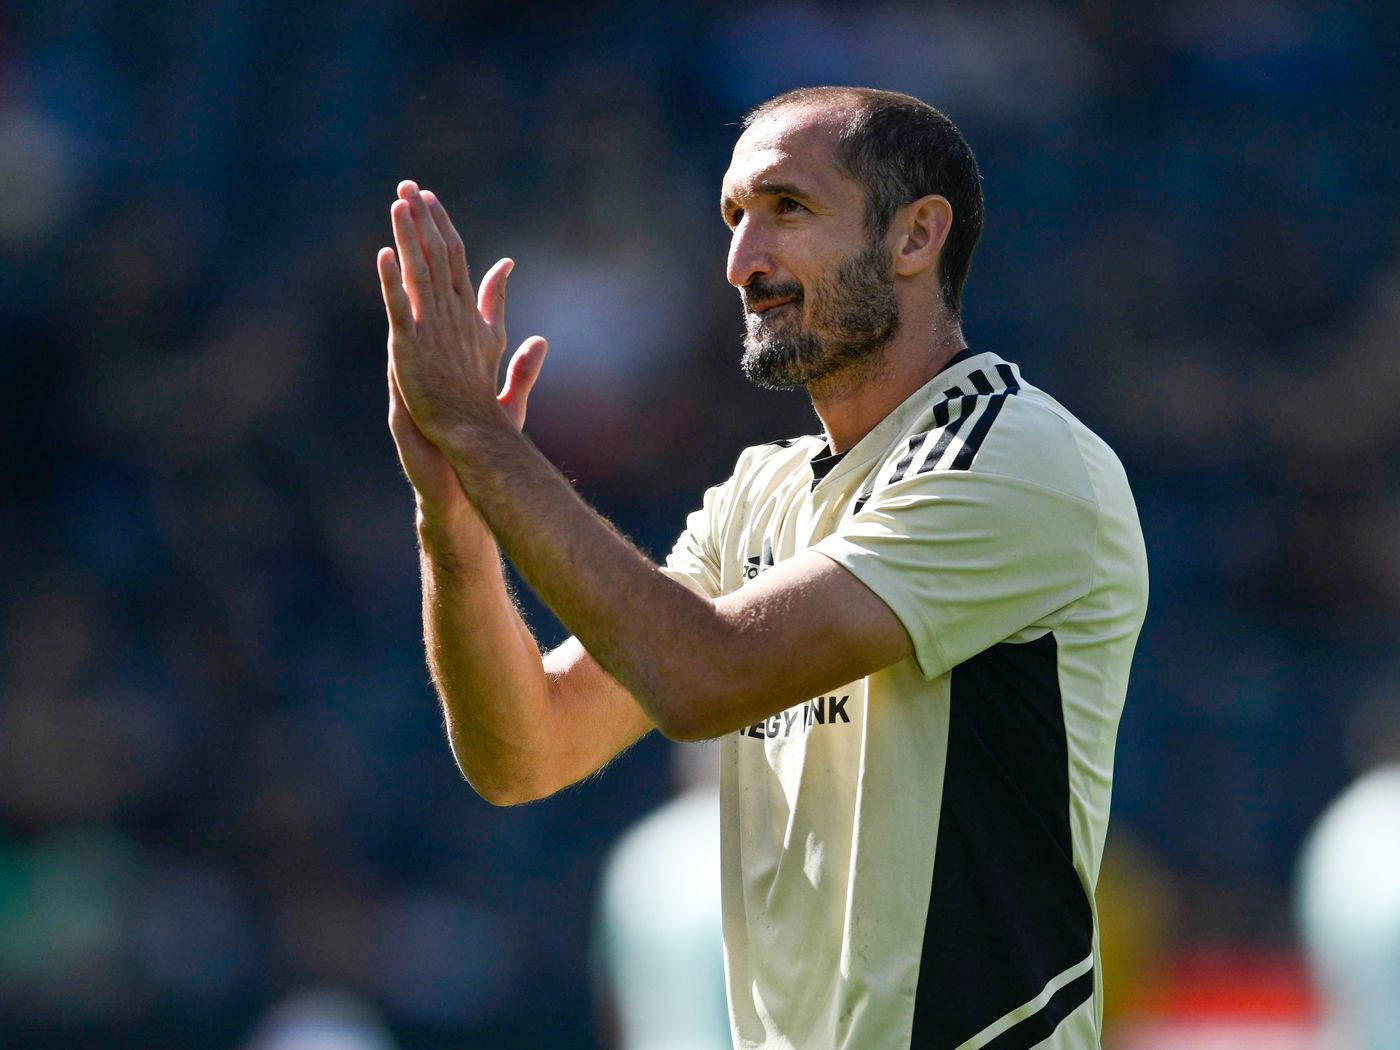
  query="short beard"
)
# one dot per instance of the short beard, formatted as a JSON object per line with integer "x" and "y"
{"x": 854, "y": 308}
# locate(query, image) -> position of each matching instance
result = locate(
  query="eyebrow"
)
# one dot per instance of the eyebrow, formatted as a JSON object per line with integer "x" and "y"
{"x": 765, "y": 189}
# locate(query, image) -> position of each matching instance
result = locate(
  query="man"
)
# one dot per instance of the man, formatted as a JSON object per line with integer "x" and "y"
{"x": 912, "y": 632}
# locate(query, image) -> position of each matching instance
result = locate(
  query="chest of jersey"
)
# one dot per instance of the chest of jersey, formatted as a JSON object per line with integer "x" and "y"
{"x": 784, "y": 517}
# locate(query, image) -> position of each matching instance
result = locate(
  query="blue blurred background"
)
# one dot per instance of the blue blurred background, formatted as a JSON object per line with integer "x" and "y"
{"x": 222, "y": 771}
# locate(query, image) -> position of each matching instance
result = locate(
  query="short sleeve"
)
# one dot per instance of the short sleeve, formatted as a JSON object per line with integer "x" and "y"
{"x": 695, "y": 560}
{"x": 967, "y": 560}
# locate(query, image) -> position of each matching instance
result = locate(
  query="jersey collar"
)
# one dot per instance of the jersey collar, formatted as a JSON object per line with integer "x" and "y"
{"x": 826, "y": 464}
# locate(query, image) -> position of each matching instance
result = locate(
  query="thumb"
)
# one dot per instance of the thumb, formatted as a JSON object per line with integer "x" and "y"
{"x": 491, "y": 296}
{"x": 521, "y": 373}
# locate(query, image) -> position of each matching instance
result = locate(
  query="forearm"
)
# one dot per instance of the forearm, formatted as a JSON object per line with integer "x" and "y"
{"x": 653, "y": 635}
{"x": 485, "y": 664}
{"x": 520, "y": 725}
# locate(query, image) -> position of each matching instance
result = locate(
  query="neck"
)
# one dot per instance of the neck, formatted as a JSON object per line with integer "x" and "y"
{"x": 852, "y": 401}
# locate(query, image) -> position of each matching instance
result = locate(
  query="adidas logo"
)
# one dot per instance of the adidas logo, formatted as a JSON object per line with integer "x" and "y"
{"x": 755, "y": 563}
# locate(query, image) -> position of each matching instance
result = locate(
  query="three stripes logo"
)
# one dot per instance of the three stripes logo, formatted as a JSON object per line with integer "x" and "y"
{"x": 960, "y": 435}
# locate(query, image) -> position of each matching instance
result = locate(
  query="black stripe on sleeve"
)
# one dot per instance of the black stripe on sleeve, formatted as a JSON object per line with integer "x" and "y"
{"x": 963, "y": 460}
{"x": 941, "y": 411}
{"x": 967, "y": 404}
{"x": 1007, "y": 911}
{"x": 940, "y": 419}
{"x": 902, "y": 467}
{"x": 966, "y": 454}
{"x": 969, "y": 451}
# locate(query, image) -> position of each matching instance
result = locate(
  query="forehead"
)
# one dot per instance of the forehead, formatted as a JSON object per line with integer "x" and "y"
{"x": 790, "y": 147}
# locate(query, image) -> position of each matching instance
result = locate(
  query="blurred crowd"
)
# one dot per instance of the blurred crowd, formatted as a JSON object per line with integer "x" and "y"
{"x": 222, "y": 771}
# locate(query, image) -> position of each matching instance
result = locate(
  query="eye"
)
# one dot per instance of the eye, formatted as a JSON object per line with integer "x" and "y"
{"x": 788, "y": 204}
{"x": 734, "y": 216}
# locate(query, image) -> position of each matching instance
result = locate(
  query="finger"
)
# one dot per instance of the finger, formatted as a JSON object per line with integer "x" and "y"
{"x": 396, "y": 303}
{"x": 402, "y": 427}
{"x": 521, "y": 373}
{"x": 405, "y": 191}
{"x": 412, "y": 263}
{"x": 456, "y": 250}
{"x": 397, "y": 408}
{"x": 491, "y": 296}
{"x": 434, "y": 248}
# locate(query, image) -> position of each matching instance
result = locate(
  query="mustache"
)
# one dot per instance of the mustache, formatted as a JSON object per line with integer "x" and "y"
{"x": 761, "y": 291}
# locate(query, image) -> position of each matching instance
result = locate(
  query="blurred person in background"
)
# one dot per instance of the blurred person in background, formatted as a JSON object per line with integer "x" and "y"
{"x": 321, "y": 1019}
{"x": 922, "y": 618}
{"x": 1348, "y": 890}
{"x": 658, "y": 947}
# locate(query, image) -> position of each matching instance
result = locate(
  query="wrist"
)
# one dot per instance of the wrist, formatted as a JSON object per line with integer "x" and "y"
{"x": 447, "y": 528}
{"x": 475, "y": 432}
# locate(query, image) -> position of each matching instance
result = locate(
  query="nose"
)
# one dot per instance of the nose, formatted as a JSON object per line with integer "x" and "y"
{"x": 749, "y": 254}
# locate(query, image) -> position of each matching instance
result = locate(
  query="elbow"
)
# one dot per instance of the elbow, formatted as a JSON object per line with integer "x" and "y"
{"x": 498, "y": 791}
{"x": 505, "y": 793}
{"x": 502, "y": 799}
{"x": 497, "y": 783}
{"x": 685, "y": 730}
{"x": 715, "y": 705}
{"x": 702, "y": 712}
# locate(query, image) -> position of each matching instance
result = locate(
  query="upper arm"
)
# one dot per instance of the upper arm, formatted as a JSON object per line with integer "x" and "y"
{"x": 805, "y": 626}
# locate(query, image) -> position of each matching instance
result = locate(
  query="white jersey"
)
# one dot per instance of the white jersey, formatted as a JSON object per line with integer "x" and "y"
{"x": 911, "y": 860}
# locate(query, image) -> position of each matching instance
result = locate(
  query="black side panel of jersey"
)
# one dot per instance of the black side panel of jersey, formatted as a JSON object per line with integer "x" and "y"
{"x": 1007, "y": 911}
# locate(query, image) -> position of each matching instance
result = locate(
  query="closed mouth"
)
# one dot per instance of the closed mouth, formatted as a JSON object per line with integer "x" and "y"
{"x": 763, "y": 308}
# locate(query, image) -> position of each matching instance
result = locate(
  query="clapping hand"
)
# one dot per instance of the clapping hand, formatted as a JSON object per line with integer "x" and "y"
{"x": 445, "y": 345}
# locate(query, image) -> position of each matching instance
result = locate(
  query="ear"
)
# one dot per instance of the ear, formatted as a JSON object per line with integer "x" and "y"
{"x": 923, "y": 227}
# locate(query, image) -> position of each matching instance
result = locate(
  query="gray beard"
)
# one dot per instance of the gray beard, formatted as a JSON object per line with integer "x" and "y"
{"x": 855, "y": 310}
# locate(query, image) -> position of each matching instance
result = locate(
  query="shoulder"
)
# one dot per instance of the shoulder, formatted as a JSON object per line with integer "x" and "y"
{"x": 992, "y": 421}
{"x": 1035, "y": 440}
{"x": 980, "y": 418}
{"x": 1039, "y": 446}
{"x": 773, "y": 462}
{"x": 760, "y": 471}
{"x": 990, "y": 442}
{"x": 782, "y": 451}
